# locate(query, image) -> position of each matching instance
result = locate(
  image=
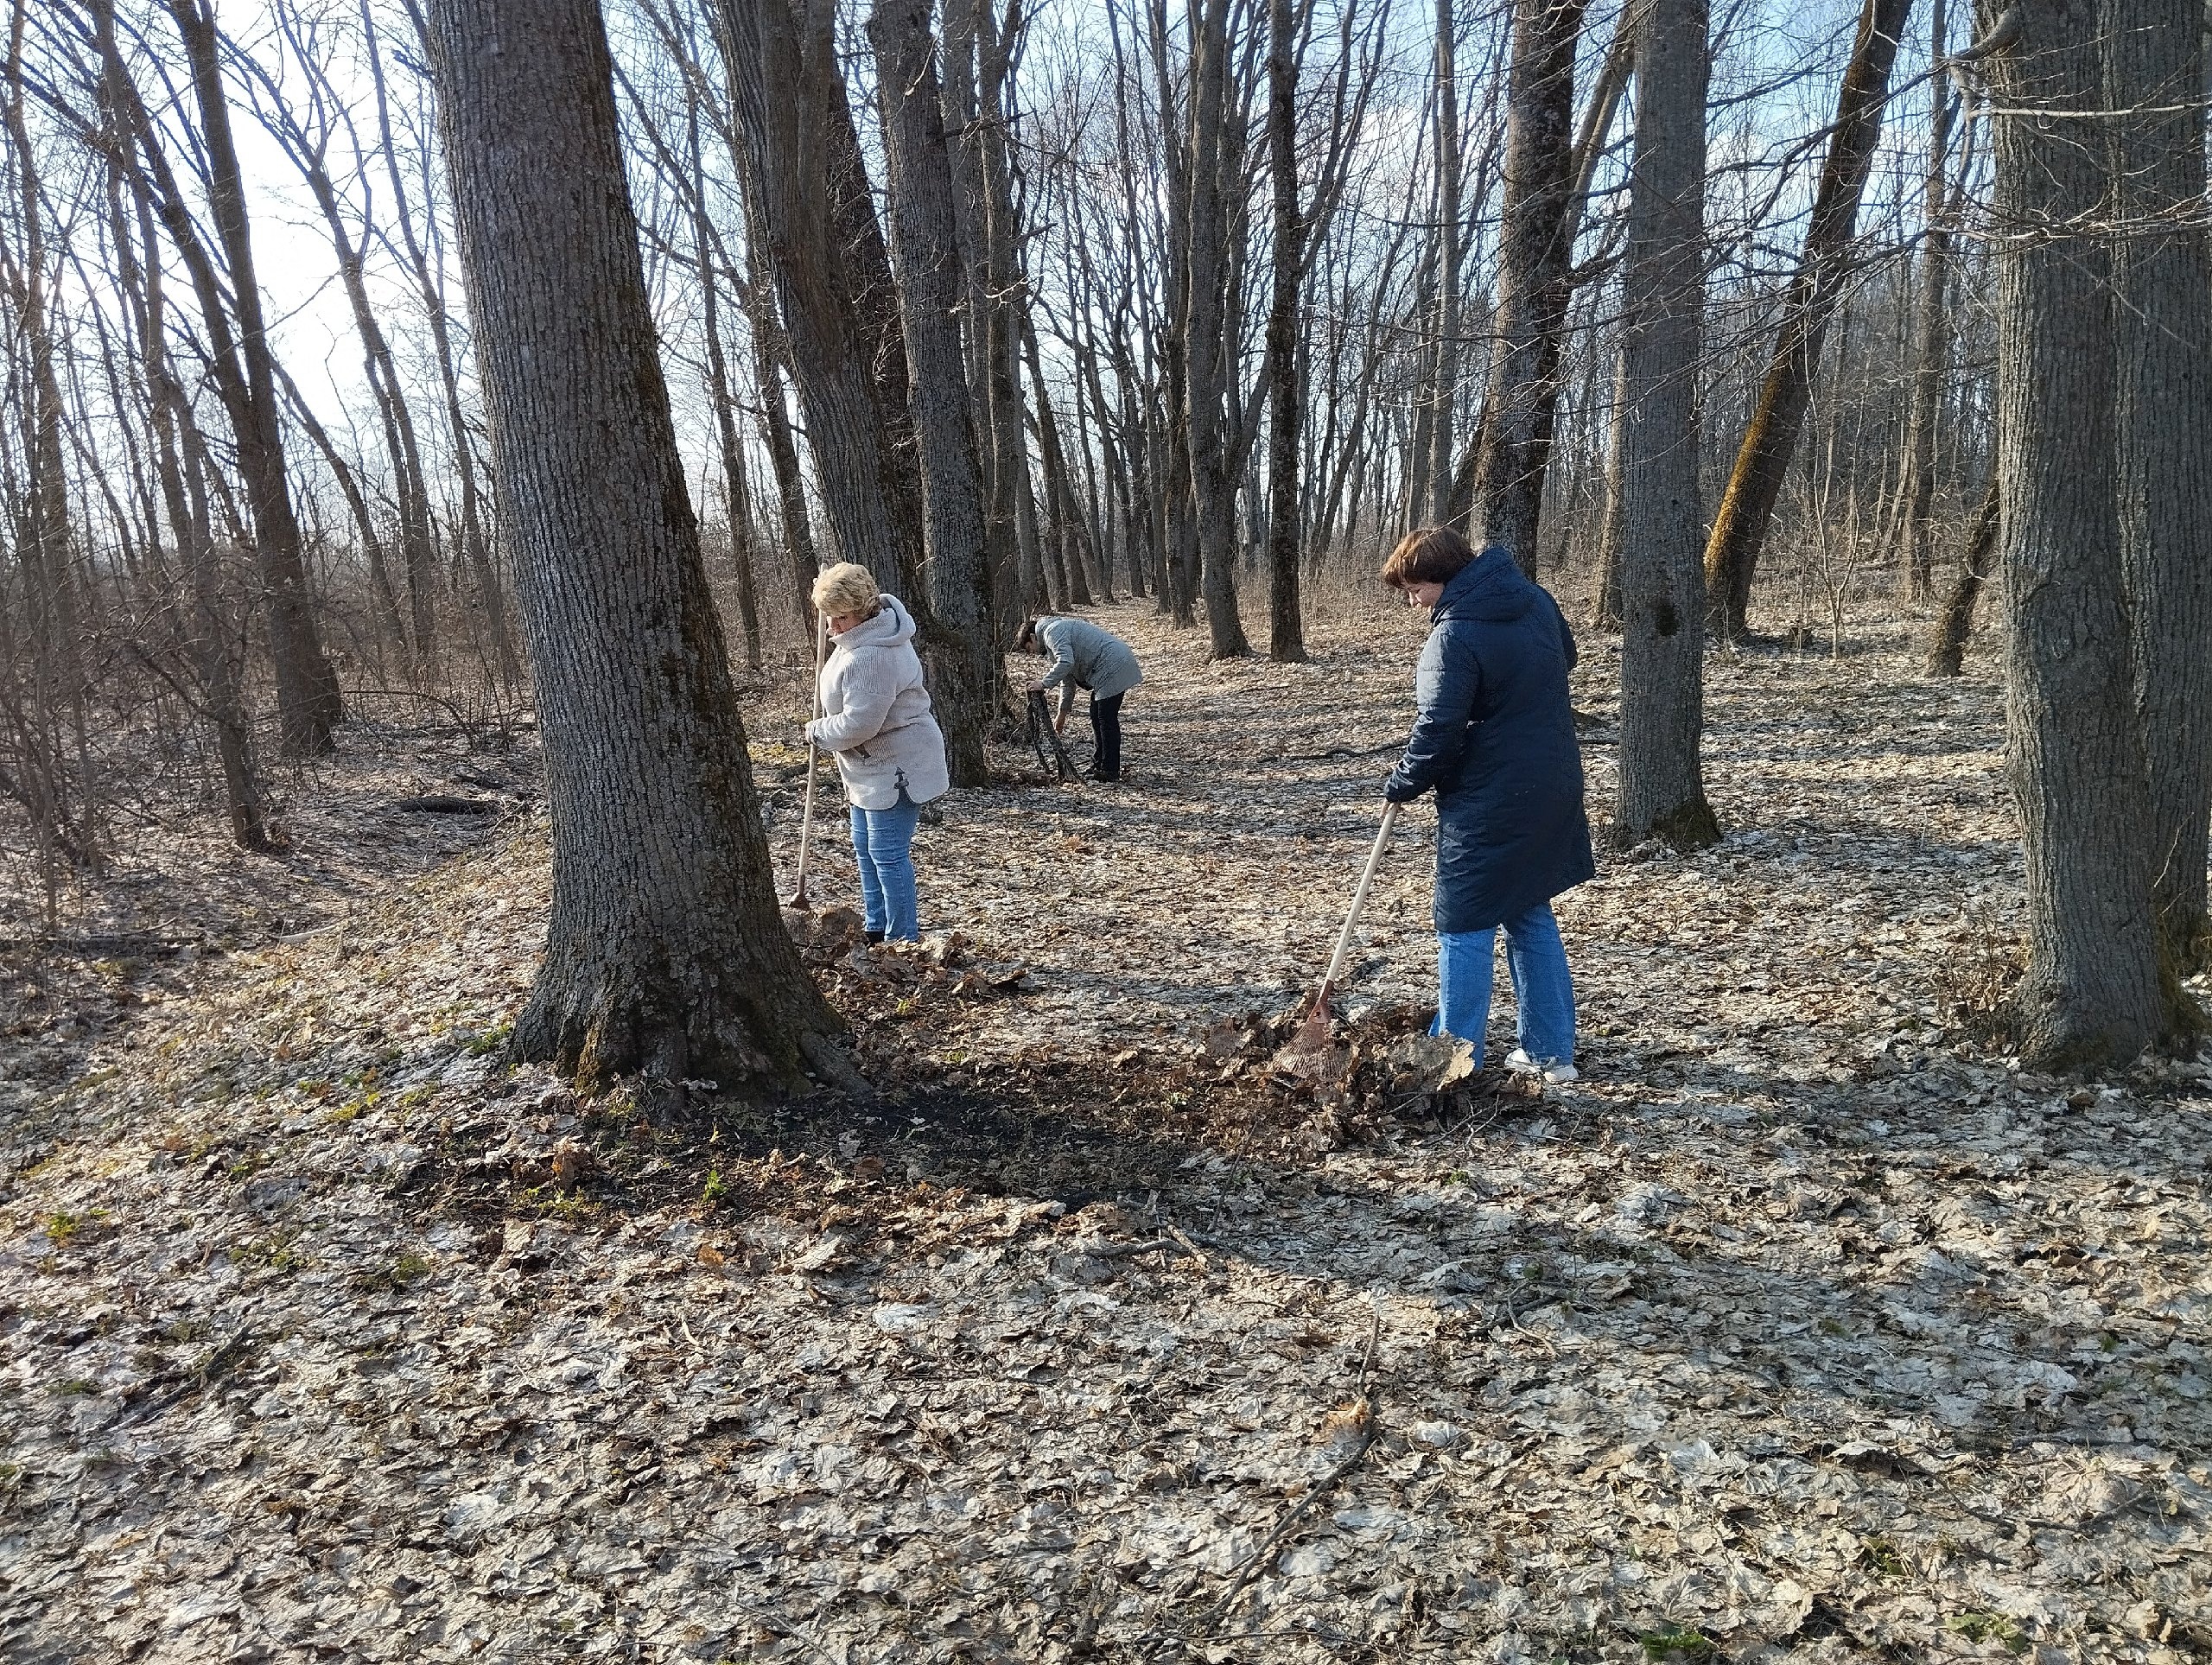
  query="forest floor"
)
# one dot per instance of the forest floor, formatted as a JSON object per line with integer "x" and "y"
{"x": 1806, "y": 1324}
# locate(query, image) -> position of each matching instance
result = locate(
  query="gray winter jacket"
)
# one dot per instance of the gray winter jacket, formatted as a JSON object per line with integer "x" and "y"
{"x": 1084, "y": 655}
{"x": 875, "y": 714}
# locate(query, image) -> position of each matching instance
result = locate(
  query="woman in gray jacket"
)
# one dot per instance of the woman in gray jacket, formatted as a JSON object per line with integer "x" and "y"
{"x": 1084, "y": 655}
{"x": 875, "y": 719}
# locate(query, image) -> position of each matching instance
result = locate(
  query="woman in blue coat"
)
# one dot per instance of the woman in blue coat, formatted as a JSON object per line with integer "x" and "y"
{"x": 1494, "y": 739}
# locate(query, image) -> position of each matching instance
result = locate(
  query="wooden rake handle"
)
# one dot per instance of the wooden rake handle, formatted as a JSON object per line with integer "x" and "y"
{"x": 1358, "y": 902}
{"x": 813, "y": 753}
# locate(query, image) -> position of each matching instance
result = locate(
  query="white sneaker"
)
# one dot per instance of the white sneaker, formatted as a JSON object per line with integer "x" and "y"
{"x": 1555, "y": 1073}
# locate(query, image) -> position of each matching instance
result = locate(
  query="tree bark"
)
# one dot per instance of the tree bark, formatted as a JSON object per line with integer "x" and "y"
{"x": 1435, "y": 496}
{"x": 2163, "y": 316}
{"x": 492, "y": 599}
{"x": 1214, "y": 465}
{"x": 1663, "y": 282}
{"x": 1732, "y": 552}
{"x": 1286, "y": 624}
{"x": 2090, "y": 994}
{"x": 1534, "y": 278}
{"x": 925, "y": 251}
{"x": 1946, "y": 649}
{"x": 1931, "y": 328}
{"x": 665, "y": 953}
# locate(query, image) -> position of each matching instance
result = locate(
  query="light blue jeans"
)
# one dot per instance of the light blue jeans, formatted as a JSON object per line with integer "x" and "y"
{"x": 1543, "y": 993}
{"x": 882, "y": 841}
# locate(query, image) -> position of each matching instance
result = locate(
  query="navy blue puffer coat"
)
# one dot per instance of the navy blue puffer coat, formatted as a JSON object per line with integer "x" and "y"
{"x": 1495, "y": 740}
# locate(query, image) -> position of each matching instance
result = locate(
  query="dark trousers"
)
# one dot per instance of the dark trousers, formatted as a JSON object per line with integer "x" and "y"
{"x": 1106, "y": 731}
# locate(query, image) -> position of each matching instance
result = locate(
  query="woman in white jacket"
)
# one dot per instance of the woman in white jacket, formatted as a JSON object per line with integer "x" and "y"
{"x": 875, "y": 721}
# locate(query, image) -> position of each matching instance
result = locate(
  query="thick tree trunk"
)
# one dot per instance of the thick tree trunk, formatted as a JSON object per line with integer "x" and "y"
{"x": 1732, "y": 552}
{"x": 925, "y": 251}
{"x": 1662, "y": 280}
{"x": 309, "y": 704}
{"x": 788, "y": 145}
{"x": 664, "y": 952}
{"x": 1534, "y": 278}
{"x": 2090, "y": 994}
{"x": 2163, "y": 316}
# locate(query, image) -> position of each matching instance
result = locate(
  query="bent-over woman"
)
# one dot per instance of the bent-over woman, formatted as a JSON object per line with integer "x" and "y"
{"x": 1084, "y": 655}
{"x": 876, "y": 721}
{"x": 1494, "y": 739}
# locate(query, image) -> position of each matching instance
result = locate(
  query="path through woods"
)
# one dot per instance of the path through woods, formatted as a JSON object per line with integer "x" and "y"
{"x": 1803, "y": 1324}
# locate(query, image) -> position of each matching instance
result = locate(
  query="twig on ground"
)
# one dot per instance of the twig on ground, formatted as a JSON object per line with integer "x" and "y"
{"x": 1255, "y": 1565}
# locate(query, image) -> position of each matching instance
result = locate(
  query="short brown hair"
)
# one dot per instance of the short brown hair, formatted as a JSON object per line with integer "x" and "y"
{"x": 1025, "y": 640}
{"x": 1433, "y": 555}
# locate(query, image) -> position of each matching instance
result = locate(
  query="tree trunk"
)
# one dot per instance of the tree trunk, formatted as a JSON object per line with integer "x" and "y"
{"x": 925, "y": 251}
{"x": 786, "y": 174}
{"x": 1435, "y": 496}
{"x": 1662, "y": 637}
{"x": 213, "y": 640}
{"x": 1071, "y": 527}
{"x": 1285, "y": 625}
{"x": 1534, "y": 278}
{"x": 491, "y": 594}
{"x": 309, "y": 704}
{"x": 718, "y": 392}
{"x": 2090, "y": 994}
{"x": 768, "y": 350}
{"x": 1017, "y": 579}
{"x": 1946, "y": 649}
{"x": 1211, "y": 370}
{"x": 1732, "y": 553}
{"x": 41, "y": 525}
{"x": 1614, "y": 528}
{"x": 665, "y": 953}
{"x": 1931, "y": 328}
{"x": 2163, "y": 315}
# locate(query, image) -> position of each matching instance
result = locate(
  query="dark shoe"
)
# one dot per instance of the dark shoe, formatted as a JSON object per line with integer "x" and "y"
{"x": 874, "y": 937}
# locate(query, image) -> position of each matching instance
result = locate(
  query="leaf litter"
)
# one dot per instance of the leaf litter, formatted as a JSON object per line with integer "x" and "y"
{"x": 1117, "y": 1325}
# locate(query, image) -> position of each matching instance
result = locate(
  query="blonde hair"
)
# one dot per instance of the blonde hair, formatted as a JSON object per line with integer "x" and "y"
{"x": 847, "y": 587}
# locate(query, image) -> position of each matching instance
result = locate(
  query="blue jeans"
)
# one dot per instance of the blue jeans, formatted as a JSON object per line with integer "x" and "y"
{"x": 1543, "y": 993}
{"x": 881, "y": 845}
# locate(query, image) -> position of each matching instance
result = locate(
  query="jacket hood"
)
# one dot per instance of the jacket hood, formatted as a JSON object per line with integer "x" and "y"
{"x": 1490, "y": 589}
{"x": 892, "y": 626}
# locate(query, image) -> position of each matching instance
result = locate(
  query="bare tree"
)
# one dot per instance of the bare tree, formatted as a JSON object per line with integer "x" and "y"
{"x": 2161, "y": 282}
{"x": 1739, "y": 527}
{"x": 925, "y": 252}
{"x": 1286, "y": 626}
{"x": 2091, "y": 990}
{"x": 664, "y": 952}
{"x": 1534, "y": 278}
{"x": 309, "y": 704}
{"x": 1662, "y": 637}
